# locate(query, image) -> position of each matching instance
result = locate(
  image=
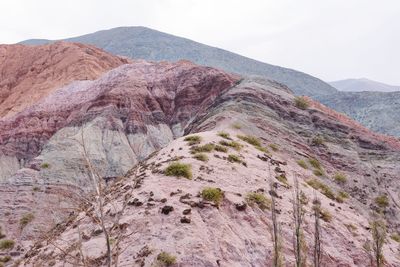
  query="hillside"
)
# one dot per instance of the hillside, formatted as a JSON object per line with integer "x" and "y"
{"x": 148, "y": 44}
{"x": 27, "y": 74}
{"x": 359, "y": 85}
{"x": 375, "y": 110}
{"x": 124, "y": 129}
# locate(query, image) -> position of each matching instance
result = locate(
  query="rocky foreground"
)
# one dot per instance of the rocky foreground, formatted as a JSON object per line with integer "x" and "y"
{"x": 127, "y": 126}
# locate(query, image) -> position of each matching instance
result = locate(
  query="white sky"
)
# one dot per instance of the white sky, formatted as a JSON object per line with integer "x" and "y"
{"x": 330, "y": 39}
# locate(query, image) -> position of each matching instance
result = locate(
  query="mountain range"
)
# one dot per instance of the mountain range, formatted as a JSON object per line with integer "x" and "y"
{"x": 363, "y": 84}
{"x": 106, "y": 160}
{"x": 148, "y": 44}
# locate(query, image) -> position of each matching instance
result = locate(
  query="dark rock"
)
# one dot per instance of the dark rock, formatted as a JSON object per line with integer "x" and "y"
{"x": 167, "y": 209}
{"x": 187, "y": 211}
{"x": 241, "y": 206}
{"x": 185, "y": 220}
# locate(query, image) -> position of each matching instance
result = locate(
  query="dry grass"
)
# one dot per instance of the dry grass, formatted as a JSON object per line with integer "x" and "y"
{"x": 179, "y": 170}
{"x": 259, "y": 199}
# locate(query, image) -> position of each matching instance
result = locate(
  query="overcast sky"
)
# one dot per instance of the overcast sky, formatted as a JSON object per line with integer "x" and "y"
{"x": 330, "y": 39}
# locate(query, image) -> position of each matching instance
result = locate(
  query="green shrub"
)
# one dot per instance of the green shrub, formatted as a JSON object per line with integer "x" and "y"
{"x": 45, "y": 165}
{"x": 302, "y": 164}
{"x": 26, "y": 219}
{"x": 259, "y": 199}
{"x": 326, "y": 215}
{"x": 395, "y": 237}
{"x": 193, "y": 139}
{"x": 274, "y": 147}
{"x": 317, "y": 141}
{"x": 179, "y": 170}
{"x": 282, "y": 178}
{"x": 323, "y": 188}
{"x": 340, "y": 178}
{"x": 204, "y": 148}
{"x": 220, "y": 148}
{"x": 212, "y": 194}
{"x": 236, "y": 125}
{"x": 341, "y": 196}
{"x": 166, "y": 259}
{"x": 224, "y": 135}
{"x": 318, "y": 172}
{"x": 234, "y": 158}
{"x": 382, "y": 201}
{"x": 201, "y": 157}
{"x": 301, "y": 102}
{"x": 6, "y": 258}
{"x": 233, "y": 144}
{"x": 315, "y": 163}
{"x": 6, "y": 244}
{"x": 252, "y": 140}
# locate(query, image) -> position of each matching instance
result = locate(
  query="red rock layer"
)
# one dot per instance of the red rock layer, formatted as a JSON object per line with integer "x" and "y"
{"x": 137, "y": 94}
{"x": 28, "y": 73}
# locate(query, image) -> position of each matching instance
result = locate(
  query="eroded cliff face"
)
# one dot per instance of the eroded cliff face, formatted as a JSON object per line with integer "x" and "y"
{"x": 128, "y": 113}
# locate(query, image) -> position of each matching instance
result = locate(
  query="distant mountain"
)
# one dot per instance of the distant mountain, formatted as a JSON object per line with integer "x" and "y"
{"x": 359, "y": 85}
{"x": 148, "y": 44}
{"x": 378, "y": 111}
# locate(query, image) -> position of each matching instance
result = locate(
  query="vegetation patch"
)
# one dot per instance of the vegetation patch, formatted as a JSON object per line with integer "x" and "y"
{"x": 6, "y": 244}
{"x": 35, "y": 189}
{"x": 315, "y": 163}
{"x": 234, "y": 158}
{"x": 318, "y": 141}
{"x": 26, "y": 219}
{"x": 220, "y": 148}
{"x": 318, "y": 172}
{"x": 179, "y": 170}
{"x": 301, "y": 102}
{"x": 341, "y": 196}
{"x": 45, "y": 165}
{"x": 282, "y": 178}
{"x": 201, "y": 149}
{"x": 382, "y": 201}
{"x": 201, "y": 157}
{"x": 395, "y": 237}
{"x": 224, "y": 135}
{"x": 340, "y": 178}
{"x": 193, "y": 139}
{"x": 252, "y": 140}
{"x": 323, "y": 188}
{"x": 274, "y": 147}
{"x": 302, "y": 164}
{"x": 258, "y": 199}
{"x": 5, "y": 259}
{"x": 166, "y": 259}
{"x": 325, "y": 215}
{"x": 233, "y": 144}
{"x": 212, "y": 194}
{"x": 352, "y": 228}
{"x": 236, "y": 126}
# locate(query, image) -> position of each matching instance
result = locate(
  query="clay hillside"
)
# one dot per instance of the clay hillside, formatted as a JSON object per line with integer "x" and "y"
{"x": 106, "y": 162}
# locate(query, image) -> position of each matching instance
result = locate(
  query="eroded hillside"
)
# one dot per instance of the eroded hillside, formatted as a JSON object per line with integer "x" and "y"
{"x": 117, "y": 121}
